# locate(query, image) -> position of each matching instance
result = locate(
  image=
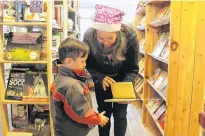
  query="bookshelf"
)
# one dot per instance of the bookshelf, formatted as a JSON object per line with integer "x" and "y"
{"x": 7, "y": 129}
{"x": 70, "y": 16}
{"x": 181, "y": 64}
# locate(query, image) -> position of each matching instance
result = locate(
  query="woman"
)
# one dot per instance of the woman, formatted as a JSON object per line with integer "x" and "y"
{"x": 113, "y": 58}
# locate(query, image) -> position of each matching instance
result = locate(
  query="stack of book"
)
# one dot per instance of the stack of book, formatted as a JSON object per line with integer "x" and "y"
{"x": 70, "y": 25}
{"x": 142, "y": 24}
{"x": 161, "y": 47}
{"x": 139, "y": 86}
{"x": 163, "y": 17}
{"x": 154, "y": 103}
{"x": 142, "y": 45}
{"x": 58, "y": 15}
{"x": 22, "y": 11}
{"x": 160, "y": 80}
{"x": 141, "y": 66}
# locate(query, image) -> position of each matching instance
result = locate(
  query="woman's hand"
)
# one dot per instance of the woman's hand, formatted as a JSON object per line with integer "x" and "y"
{"x": 107, "y": 82}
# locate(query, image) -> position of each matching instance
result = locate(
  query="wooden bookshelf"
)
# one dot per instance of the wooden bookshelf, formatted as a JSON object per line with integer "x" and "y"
{"x": 37, "y": 101}
{"x": 24, "y": 24}
{"x": 4, "y": 111}
{"x": 158, "y": 92}
{"x": 24, "y": 62}
{"x": 185, "y": 66}
{"x": 158, "y": 58}
{"x": 156, "y": 122}
{"x": 18, "y": 134}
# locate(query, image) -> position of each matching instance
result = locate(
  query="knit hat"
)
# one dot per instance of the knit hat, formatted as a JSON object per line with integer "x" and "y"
{"x": 107, "y": 19}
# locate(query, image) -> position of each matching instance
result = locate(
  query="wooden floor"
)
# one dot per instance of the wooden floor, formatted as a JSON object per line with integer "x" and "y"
{"x": 134, "y": 126}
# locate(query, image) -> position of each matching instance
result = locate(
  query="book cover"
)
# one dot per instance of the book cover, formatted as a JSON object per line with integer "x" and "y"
{"x": 161, "y": 45}
{"x": 19, "y": 115}
{"x": 158, "y": 42}
{"x": 153, "y": 78}
{"x": 162, "y": 12}
{"x": 165, "y": 52}
{"x": 9, "y": 11}
{"x": 1, "y": 11}
{"x": 28, "y": 45}
{"x": 162, "y": 121}
{"x": 36, "y": 85}
{"x": 160, "y": 79}
{"x": 160, "y": 111}
{"x": 157, "y": 103}
{"x": 15, "y": 86}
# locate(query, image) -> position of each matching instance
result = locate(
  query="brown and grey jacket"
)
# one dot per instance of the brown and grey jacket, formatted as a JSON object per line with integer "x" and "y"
{"x": 71, "y": 106}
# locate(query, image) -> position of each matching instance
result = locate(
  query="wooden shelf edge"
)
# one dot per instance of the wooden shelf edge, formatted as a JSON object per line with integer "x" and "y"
{"x": 24, "y": 62}
{"x": 156, "y": 122}
{"x": 23, "y": 24}
{"x": 158, "y": 58}
{"x": 156, "y": 90}
{"x": 37, "y": 101}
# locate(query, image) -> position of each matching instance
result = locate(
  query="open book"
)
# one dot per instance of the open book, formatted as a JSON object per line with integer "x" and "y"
{"x": 122, "y": 92}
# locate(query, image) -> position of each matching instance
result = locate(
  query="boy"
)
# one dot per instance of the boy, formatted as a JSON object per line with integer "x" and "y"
{"x": 73, "y": 114}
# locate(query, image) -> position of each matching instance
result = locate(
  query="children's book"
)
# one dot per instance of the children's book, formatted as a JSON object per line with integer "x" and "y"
{"x": 19, "y": 115}
{"x": 36, "y": 84}
{"x": 15, "y": 86}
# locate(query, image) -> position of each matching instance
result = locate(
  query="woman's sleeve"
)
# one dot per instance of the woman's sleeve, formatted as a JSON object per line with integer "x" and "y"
{"x": 131, "y": 63}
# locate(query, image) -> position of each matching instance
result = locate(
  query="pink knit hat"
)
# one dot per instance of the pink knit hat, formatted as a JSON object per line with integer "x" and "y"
{"x": 107, "y": 19}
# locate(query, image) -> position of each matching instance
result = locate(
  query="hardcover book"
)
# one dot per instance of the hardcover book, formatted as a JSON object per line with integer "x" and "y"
{"x": 19, "y": 115}
{"x": 36, "y": 84}
{"x": 15, "y": 86}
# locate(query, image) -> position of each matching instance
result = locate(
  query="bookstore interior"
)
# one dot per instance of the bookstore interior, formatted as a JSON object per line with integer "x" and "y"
{"x": 170, "y": 85}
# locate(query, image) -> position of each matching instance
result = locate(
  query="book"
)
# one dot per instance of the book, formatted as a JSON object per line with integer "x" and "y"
{"x": 155, "y": 75}
{"x": 168, "y": 12}
{"x": 159, "y": 112}
{"x": 15, "y": 86}
{"x": 1, "y": 11}
{"x": 9, "y": 11}
{"x": 159, "y": 81}
{"x": 19, "y": 115}
{"x": 162, "y": 12}
{"x": 142, "y": 45}
{"x": 28, "y": 45}
{"x": 160, "y": 44}
{"x": 36, "y": 84}
{"x": 157, "y": 103}
{"x": 165, "y": 52}
{"x": 162, "y": 121}
{"x": 142, "y": 24}
{"x": 141, "y": 65}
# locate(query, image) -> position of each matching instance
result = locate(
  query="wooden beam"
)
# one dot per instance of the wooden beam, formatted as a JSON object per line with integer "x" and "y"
{"x": 199, "y": 72}
{"x": 172, "y": 89}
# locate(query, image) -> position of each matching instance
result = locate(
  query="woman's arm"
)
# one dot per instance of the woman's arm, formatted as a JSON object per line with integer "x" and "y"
{"x": 131, "y": 67}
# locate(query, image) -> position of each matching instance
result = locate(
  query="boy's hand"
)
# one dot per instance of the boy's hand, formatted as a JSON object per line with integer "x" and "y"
{"x": 107, "y": 81}
{"x": 104, "y": 120}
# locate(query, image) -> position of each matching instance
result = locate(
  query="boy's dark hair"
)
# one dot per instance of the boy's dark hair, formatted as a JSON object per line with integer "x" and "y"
{"x": 72, "y": 48}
